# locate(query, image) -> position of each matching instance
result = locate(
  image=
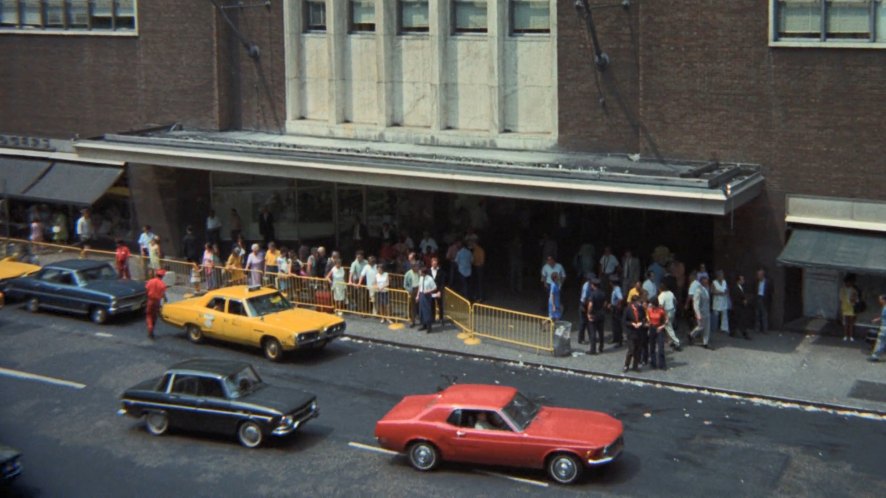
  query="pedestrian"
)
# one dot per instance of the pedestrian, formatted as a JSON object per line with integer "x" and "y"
{"x": 617, "y": 307}
{"x": 741, "y": 309}
{"x": 630, "y": 268}
{"x": 156, "y": 291}
{"x": 121, "y": 260}
{"x": 762, "y": 300}
{"x": 84, "y": 229}
{"x": 636, "y": 291}
{"x": 154, "y": 255}
{"x": 451, "y": 253}
{"x": 650, "y": 287}
{"x": 608, "y": 263}
{"x": 428, "y": 242}
{"x": 234, "y": 267}
{"x": 439, "y": 277}
{"x": 339, "y": 285}
{"x": 848, "y": 298}
{"x": 720, "y": 303}
{"x": 688, "y": 308}
{"x": 266, "y": 225}
{"x": 382, "y": 297}
{"x": 284, "y": 270}
{"x": 550, "y": 268}
{"x": 427, "y": 290}
{"x": 59, "y": 228}
{"x": 271, "y": 265}
{"x": 410, "y": 285}
{"x": 144, "y": 240}
{"x": 880, "y": 345}
{"x": 255, "y": 263}
{"x": 702, "y": 272}
{"x": 367, "y": 278}
{"x": 464, "y": 263}
{"x": 207, "y": 262}
{"x": 195, "y": 276}
{"x": 318, "y": 270}
{"x": 584, "y": 329}
{"x": 658, "y": 319}
{"x": 555, "y": 310}
{"x": 701, "y": 306}
{"x": 668, "y": 301}
{"x": 189, "y": 244}
{"x": 597, "y": 306}
{"x": 634, "y": 318}
{"x": 36, "y": 235}
{"x": 213, "y": 228}
{"x": 236, "y": 224}
{"x": 356, "y": 268}
{"x": 477, "y": 269}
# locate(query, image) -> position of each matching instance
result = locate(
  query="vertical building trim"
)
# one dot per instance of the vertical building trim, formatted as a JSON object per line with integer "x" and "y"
{"x": 385, "y": 31}
{"x": 497, "y": 19}
{"x": 337, "y": 21}
{"x": 438, "y": 20}
{"x": 292, "y": 46}
{"x": 555, "y": 74}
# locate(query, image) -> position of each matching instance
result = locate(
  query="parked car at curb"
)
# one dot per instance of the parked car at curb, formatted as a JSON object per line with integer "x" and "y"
{"x": 80, "y": 286}
{"x": 220, "y": 396}
{"x": 10, "y": 463}
{"x": 10, "y": 269}
{"x": 253, "y": 316}
{"x": 497, "y": 425}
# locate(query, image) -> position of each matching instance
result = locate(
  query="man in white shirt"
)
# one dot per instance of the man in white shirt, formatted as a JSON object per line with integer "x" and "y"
{"x": 367, "y": 278}
{"x": 427, "y": 290}
{"x": 720, "y": 304}
{"x": 213, "y": 228}
{"x": 549, "y": 268}
{"x": 668, "y": 301}
{"x": 85, "y": 232}
{"x": 650, "y": 290}
{"x": 357, "y": 266}
{"x": 427, "y": 242}
{"x": 608, "y": 263}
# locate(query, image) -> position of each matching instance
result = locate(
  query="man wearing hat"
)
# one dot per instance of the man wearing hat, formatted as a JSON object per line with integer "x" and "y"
{"x": 156, "y": 290}
{"x": 597, "y": 316}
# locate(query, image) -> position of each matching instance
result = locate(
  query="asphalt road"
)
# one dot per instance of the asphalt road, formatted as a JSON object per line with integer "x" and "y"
{"x": 677, "y": 443}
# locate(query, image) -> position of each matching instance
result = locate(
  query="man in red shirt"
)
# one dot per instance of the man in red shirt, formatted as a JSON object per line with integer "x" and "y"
{"x": 156, "y": 290}
{"x": 122, "y": 260}
{"x": 658, "y": 318}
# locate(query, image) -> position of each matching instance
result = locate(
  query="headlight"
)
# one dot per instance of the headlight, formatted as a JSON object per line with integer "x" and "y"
{"x": 286, "y": 421}
{"x": 313, "y": 406}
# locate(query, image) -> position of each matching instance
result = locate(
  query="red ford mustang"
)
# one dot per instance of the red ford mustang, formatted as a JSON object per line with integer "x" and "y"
{"x": 497, "y": 425}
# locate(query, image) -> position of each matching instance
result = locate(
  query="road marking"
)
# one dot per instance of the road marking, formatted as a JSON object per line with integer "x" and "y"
{"x": 371, "y": 448}
{"x": 40, "y": 378}
{"x": 540, "y": 484}
{"x": 103, "y": 334}
{"x": 367, "y": 447}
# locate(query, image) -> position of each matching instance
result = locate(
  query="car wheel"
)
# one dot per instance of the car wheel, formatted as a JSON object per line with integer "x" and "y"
{"x": 33, "y": 305}
{"x": 564, "y": 468}
{"x": 250, "y": 434}
{"x": 157, "y": 423}
{"x": 98, "y": 315}
{"x": 423, "y": 456}
{"x": 272, "y": 348}
{"x": 195, "y": 335}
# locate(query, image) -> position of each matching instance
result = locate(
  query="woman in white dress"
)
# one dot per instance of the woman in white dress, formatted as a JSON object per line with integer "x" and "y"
{"x": 336, "y": 277}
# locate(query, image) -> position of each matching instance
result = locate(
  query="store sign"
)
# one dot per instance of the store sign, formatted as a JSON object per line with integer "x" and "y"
{"x": 26, "y": 142}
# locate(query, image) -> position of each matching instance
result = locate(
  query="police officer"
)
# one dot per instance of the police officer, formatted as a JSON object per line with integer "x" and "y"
{"x": 156, "y": 291}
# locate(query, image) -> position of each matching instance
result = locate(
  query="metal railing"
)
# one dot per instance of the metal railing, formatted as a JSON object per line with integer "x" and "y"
{"x": 457, "y": 309}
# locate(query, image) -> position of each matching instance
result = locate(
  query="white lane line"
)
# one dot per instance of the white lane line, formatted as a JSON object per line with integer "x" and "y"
{"x": 103, "y": 334}
{"x": 40, "y": 378}
{"x": 371, "y": 448}
{"x": 540, "y": 484}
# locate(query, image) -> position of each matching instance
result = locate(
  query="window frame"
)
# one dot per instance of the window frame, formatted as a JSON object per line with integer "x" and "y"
{"x": 527, "y": 32}
{"x": 308, "y": 27}
{"x": 68, "y": 27}
{"x": 875, "y": 10}
{"x": 454, "y": 29}
{"x": 401, "y": 30}
{"x": 361, "y": 28}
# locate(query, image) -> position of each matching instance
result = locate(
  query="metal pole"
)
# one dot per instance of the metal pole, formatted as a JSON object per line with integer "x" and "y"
{"x": 6, "y": 208}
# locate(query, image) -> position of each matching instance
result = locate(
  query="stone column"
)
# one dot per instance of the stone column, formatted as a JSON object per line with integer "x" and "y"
{"x": 337, "y": 16}
{"x": 438, "y": 31}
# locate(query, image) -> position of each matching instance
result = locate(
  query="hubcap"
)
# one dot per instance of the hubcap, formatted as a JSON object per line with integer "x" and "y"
{"x": 251, "y": 434}
{"x": 564, "y": 468}
{"x": 273, "y": 350}
{"x": 423, "y": 455}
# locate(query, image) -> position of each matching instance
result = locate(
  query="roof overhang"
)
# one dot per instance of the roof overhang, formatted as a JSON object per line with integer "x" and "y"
{"x": 610, "y": 180}
{"x": 854, "y": 252}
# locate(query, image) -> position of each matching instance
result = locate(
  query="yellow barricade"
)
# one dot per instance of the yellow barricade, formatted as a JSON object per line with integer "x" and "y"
{"x": 457, "y": 309}
{"x": 513, "y": 327}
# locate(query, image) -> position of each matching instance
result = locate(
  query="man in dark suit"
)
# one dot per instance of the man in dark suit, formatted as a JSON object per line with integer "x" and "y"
{"x": 439, "y": 277}
{"x": 634, "y": 319}
{"x": 596, "y": 316}
{"x": 762, "y": 301}
{"x": 266, "y": 225}
{"x": 741, "y": 308}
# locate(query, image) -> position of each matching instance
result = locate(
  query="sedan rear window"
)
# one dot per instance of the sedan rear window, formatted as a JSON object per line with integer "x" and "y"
{"x": 98, "y": 273}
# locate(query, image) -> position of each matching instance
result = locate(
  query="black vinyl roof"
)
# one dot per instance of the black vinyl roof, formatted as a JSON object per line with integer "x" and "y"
{"x": 221, "y": 368}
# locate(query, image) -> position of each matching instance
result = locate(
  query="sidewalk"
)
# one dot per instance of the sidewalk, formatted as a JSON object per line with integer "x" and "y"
{"x": 784, "y": 365}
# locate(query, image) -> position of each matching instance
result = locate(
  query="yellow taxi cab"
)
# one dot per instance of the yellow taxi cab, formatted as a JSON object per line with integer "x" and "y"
{"x": 253, "y": 316}
{"x": 10, "y": 269}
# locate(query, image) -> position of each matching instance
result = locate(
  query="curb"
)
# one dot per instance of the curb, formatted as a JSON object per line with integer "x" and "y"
{"x": 803, "y": 403}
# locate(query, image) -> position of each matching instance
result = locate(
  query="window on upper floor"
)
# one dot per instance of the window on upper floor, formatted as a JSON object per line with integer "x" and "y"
{"x": 362, "y": 16}
{"x": 530, "y": 17}
{"x": 315, "y": 15}
{"x": 469, "y": 16}
{"x": 829, "y": 22}
{"x": 413, "y": 16}
{"x": 68, "y": 16}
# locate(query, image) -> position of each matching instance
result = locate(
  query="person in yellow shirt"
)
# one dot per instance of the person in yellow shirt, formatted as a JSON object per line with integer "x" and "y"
{"x": 478, "y": 264}
{"x": 271, "y": 267}
{"x": 848, "y": 298}
{"x": 636, "y": 290}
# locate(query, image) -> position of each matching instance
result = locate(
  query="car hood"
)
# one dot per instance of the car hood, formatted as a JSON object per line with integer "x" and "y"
{"x": 13, "y": 269}
{"x": 279, "y": 399}
{"x": 576, "y": 426}
{"x": 117, "y": 288}
{"x": 299, "y": 320}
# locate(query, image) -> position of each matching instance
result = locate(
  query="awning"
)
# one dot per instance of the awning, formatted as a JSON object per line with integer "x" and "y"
{"x": 61, "y": 182}
{"x": 858, "y": 253}
{"x": 614, "y": 180}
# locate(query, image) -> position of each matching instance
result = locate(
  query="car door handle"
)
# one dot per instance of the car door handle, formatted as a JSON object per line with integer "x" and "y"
{"x": 460, "y": 433}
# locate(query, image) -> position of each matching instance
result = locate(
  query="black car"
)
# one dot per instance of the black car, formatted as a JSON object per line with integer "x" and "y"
{"x": 219, "y": 396}
{"x": 79, "y": 286}
{"x": 10, "y": 463}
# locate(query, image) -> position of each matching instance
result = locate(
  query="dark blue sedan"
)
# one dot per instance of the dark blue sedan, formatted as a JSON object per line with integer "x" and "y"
{"x": 80, "y": 286}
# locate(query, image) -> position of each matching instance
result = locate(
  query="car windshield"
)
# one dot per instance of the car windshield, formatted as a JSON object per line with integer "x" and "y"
{"x": 243, "y": 382}
{"x": 98, "y": 273}
{"x": 522, "y": 411}
{"x": 268, "y": 303}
